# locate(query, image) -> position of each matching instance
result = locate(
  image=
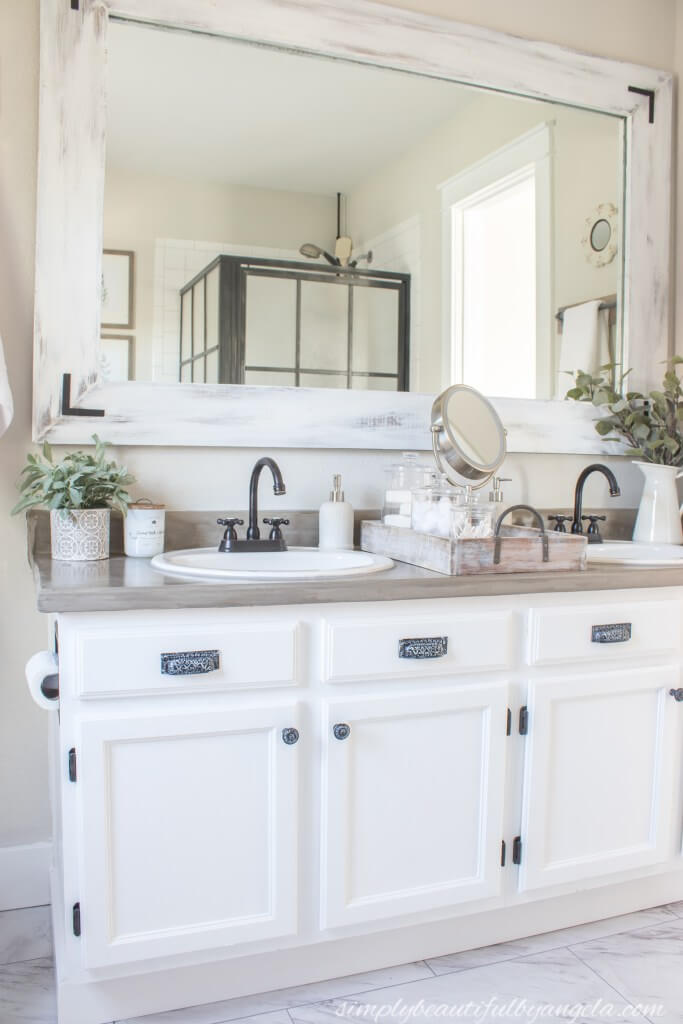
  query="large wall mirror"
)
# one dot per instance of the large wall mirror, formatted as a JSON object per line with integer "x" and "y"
{"x": 231, "y": 150}
{"x": 264, "y": 220}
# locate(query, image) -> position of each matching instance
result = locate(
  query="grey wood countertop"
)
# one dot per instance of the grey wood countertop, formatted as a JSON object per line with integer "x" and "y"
{"x": 125, "y": 584}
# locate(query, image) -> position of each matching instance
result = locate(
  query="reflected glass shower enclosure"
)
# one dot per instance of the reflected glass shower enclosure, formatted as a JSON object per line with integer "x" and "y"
{"x": 280, "y": 322}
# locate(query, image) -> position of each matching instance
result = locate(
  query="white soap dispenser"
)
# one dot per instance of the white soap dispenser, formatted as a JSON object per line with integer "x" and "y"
{"x": 336, "y": 521}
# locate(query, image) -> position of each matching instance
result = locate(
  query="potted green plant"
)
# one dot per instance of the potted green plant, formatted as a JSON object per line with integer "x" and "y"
{"x": 80, "y": 492}
{"x": 651, "y": 425}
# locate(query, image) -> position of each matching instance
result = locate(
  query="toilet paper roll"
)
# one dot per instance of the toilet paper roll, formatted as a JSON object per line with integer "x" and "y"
{"x": 38, "y": 669}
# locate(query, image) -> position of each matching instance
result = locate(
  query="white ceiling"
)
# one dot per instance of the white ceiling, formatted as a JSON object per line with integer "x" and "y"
{"x": 194, "y": 106}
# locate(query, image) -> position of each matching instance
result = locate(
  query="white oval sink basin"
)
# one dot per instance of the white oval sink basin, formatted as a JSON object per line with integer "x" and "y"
{"x": 293, "y": 564}
{"x": 627, "y": 552}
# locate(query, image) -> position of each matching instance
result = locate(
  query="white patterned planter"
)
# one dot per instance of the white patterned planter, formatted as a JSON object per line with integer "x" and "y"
{"x": 80, "y": 535}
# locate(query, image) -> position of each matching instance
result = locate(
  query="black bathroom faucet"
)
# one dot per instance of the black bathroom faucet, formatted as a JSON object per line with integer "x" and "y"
{"x": 275, "y": 541}
{"x": 253, "y": 532}
{"x": 593, "y": 532}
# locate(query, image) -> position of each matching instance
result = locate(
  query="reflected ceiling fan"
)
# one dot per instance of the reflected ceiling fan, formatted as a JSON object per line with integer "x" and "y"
{"x": 342, "y": 249}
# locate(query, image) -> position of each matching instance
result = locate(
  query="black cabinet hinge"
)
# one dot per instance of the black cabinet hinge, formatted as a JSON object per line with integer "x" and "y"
{"x": 508, "y": 728}
{"x": 517, "y": 850}
{"x": 75, "y": 5}
{"x": 523, "y": 720}
{"x": 503, "y": 851}
{"x": 76, "y": 919}
{"x": 73, "y": 772}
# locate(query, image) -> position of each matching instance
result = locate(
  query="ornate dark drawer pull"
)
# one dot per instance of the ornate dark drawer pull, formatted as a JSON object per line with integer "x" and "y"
{"x": 541, "y": 525}
{"x": 190, "y": 663}
{"x": 677, "y": 694}
{"x": 290, "y": 736}
{"x": 341, "y": 731}
{"x": 611, "y": 633}
{"x": 423, "y": 647}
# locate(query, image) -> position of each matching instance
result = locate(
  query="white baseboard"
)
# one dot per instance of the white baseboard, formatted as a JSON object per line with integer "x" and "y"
{"x": 24, "y": 871}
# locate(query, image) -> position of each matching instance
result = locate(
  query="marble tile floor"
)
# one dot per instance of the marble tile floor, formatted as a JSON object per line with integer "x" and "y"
{"x": 620, "y": 970}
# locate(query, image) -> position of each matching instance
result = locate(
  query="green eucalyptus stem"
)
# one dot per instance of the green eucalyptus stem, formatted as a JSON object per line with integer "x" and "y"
{"x": 650, "y": 424}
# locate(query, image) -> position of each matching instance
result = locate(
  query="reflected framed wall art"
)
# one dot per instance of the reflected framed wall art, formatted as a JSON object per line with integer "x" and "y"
{"x": 118, "y": 288}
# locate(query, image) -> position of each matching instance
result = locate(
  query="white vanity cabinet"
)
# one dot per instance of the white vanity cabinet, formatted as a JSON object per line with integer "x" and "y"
{"x": 602, "y": 764}
{"x": 189, "y": 831}
{"x": 413, "y": 801}
{"x": 307, "y": 791}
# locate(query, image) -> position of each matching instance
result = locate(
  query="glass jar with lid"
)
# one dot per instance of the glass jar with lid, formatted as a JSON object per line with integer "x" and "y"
{"x": 402, "y": 478}
{"x": 432, "y": 506}
{"x": 472, "y": 518}
{"x": 445, "y": 510}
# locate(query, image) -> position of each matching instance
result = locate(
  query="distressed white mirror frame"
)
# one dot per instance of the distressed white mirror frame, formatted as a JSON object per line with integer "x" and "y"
{"x": 70, "y": 203}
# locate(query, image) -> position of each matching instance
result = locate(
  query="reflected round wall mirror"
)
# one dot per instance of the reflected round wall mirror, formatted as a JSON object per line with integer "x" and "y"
{"x": 600, "y": 241}
{"x": 468, "y": 436}
{"x": 600, "y": 234}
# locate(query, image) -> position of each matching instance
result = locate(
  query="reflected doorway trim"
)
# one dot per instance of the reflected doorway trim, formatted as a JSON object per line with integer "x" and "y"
{"x": 534, "y": 150}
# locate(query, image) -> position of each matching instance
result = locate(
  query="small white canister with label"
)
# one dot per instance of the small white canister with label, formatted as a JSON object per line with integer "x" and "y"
{"x": 143, "y": 529}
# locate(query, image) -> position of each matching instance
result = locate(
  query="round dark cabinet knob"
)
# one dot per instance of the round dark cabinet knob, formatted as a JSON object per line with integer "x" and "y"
{"x": 677, "y": 694}
{"x": 341, "y": 731}
{"x": 290, "y": 736}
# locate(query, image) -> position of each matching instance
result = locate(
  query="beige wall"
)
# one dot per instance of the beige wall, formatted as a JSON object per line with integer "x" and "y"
{"x": 639, "y": 30}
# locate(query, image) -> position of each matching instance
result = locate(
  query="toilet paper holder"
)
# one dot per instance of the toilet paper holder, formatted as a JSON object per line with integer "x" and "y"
{"x": 42, "y": 676}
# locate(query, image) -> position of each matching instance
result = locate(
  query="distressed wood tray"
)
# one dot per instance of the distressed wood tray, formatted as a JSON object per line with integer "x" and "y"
{"x": 521, "y": 550}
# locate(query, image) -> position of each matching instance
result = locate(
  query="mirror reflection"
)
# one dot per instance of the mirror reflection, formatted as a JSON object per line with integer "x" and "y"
{"x": 475, "y": 428}
{"x": 273, "y": 218}
{"x": 468, "y": 438}
{"x": 600, "y": 235}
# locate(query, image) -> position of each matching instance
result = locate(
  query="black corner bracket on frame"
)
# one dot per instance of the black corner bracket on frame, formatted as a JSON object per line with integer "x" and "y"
{"x": 67, "y": 408}
{"x": 650, "y": 93}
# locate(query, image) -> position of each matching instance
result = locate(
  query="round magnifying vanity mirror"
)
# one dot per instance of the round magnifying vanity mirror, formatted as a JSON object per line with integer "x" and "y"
{"x": 467, "y": 435}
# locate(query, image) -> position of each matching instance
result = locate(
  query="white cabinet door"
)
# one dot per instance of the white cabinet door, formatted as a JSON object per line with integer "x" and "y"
{"x": 601, "y": 768}
{"x": 412, "y": 802}
{"x": 188, "y": 835}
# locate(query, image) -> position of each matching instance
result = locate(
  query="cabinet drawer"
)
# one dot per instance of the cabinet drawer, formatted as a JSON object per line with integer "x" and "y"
{"x": 150, "y": 659}
{"x": 417, "y": 646}
{"x": 603, "y": 631}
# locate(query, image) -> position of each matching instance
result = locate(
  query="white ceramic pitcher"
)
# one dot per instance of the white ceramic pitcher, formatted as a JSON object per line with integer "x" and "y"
{"x": 659, "y": 515}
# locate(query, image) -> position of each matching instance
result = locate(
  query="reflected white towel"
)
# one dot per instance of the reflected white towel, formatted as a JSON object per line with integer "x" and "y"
{"x": 6, "y": 402}
{"x": 584, "y": 342}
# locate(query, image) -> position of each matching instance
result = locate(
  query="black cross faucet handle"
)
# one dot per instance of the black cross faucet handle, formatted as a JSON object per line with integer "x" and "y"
{"x": 559, "y": 521}
{"x": 231, "y": 532}
{"x": 276, "y": 523}
{"x": 593, "y": 531}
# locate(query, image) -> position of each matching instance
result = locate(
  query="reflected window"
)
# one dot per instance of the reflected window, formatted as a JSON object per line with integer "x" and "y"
{"x": 281, "y": 322}
{"x": 497, "y": 220}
